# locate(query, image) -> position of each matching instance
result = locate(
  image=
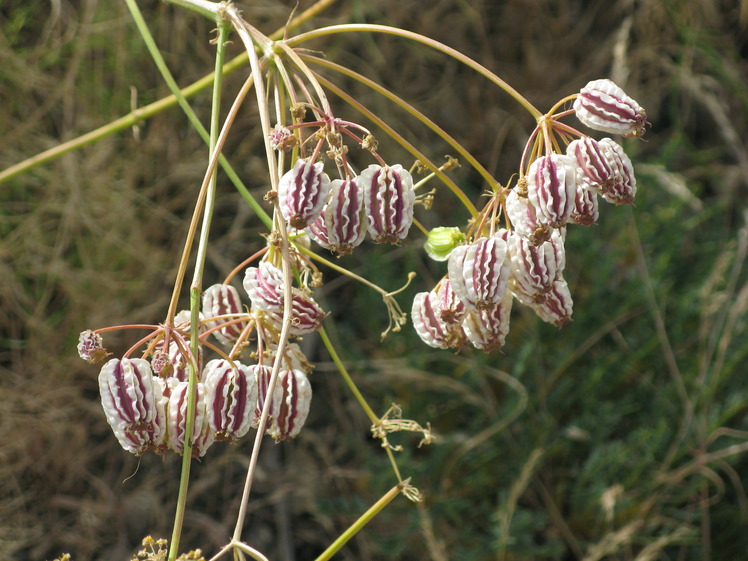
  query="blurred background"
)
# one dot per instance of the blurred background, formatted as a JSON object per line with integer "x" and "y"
{"x": 621, "y": 436}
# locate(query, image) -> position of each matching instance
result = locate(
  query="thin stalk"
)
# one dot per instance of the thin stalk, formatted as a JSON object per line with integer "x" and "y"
{"x": 466, "y": 60}
{"x": 403, "y": 142}
{"x": 356, "y": 527}
{"x": 136, "y": 116}
{"x": 347, "y": 377}
{"x": 195, "y": 294}
{"x": 397, "y": 100}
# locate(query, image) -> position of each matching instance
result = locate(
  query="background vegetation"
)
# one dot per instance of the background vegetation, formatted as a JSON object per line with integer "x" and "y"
{"x": 621, "y": 436}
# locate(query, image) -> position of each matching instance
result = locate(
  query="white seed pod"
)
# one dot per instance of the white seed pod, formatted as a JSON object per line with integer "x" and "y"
{"x": 230, "y": 398}
{"x": 593, "y": 168}
{"x": 554, "y": 306}
{"x": 536, "y": 267}
{"x": 262, "y": 374}
{"x": 202, "y": 435}
{"x": 389, "y": 199}
{"x": 621, "y": 190}
{"x": 180, "y": 362}
{"x": 437, "y": 317}
{"x": 524, "y": 219}
{"x": 487, "y": 328}
{"x": 293, "y": 408}
{"x": 221, "y": 300}
{"x": 479, "y": 272}
{"x": 342, "y": 224}
{"x": 586, "y": 207}
{"x": 130, "y": 403}
{"x": 603, "y": 106}
{"x": 551, "y": 188}
{"x": 302, "y": 191}
{"x": 264, "y": 285}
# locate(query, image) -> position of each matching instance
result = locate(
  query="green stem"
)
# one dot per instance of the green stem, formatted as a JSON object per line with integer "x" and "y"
{"x": 347, "y": 377}
{"x": 196, "y": 292}
{"x": 466, "y": 60}
{"x": 356, "y": 527}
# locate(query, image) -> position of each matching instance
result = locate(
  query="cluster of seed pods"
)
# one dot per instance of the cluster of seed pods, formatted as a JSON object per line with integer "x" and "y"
{"x": 472, "y": 303}
{"x": 337, "y": 214}
{"x": 145, "y": 401}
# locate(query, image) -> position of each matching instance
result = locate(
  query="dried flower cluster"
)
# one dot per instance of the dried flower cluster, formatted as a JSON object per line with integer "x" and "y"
{"x": 526, "y": 260}
{"x": 145, "y": 401}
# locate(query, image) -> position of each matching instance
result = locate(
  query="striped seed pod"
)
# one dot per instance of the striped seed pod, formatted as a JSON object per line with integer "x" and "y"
{"x": 302, "y": 191}
{"x": 487, "y": 328}
{"x": 551, "y": 188}
{"x": 202, "y": 435}
{"x": 603, "y": 106}
{"x": 342, "y": 224}
{"x": 389, "y": 199}
{"x": 622, "y": 189}
{"x": 536, "y": 267}
{"x": 230, "y": 398}
{"x": 131, "y": 403}
{"x": 221, "y": 300}
{"x": 437, "y": 317}
{"x": 479, "y": 272}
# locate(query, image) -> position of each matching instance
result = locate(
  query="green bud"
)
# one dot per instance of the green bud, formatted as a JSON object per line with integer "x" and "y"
{"x": 442, "y": 241}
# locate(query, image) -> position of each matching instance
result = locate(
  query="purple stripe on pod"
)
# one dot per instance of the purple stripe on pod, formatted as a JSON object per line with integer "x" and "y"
{"x": 389, "y": 199}
{"x": 479, "y": 272}
{"x": 230, "y": 398}
{"x": 603, "y": 106}
{"x": 551, "y": 188}
{"x": 221, "y": 300}
{"x": 302, "y": 191}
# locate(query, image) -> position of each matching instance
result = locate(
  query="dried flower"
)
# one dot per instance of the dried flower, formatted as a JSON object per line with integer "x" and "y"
{"x": 264, "y": 285}
{"x": 91, "y": 347}
{"x": 621, "y": 189}
{"x": 487, "y": 328}
{"x": 221, "y": 300}
{"x": 202, "y": 435}
{"x": 342, "y": 224}
{"x": 479, "y": 272}
{"x": 603, "y": 106}
{"x": 230, "y": 398}
{"x": 437, "y": 315}
{"x": 551, "y": 188}
{"x": 524, "y": 219}
{"x": 294, "y": 405}
{"x": 389, "y": 199}
{"x": 302, "y": 191}
{"x": 536, "y": 267}
{"x": 133, "y": 403}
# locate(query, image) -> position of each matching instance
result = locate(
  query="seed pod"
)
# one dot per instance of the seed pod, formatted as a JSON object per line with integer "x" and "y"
{"x": 389, "y": 199}
{"x": 479, "y": 272}
{"x": 603, "y": 106}
{"x": 221, "y": 300}
{"x": 487, "y": 328}
{"x": 302, "y": 191}
{"x": 554, "y": 306}
{"x": 177, "y": 419}
{"x": 262, "y": 374}
{"x": 621, "y": 190}
{"x": 131, "y": 404}
{"x": 437, "y": 315}
{"x": 293, "y": 408}
{"x": 342, "y": 225}
{"x": 181, "y": 362}
{"x": 585, "y": 207}
{"x": 230, "y": 398}
{"x": 293, "y": 358}
{"x": 524, "y": 219}
{"x": 536, "y": 268}
{"x": 91, "y": 347}
{"x": 264, "y": 285}
{"x": 551, "y": 188}
{"x": 593, "y": 167}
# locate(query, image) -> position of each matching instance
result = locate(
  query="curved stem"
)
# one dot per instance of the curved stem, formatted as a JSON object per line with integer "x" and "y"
{"x": 461, "y": 150}
{"x": 404, "y": 143}
{"x": 348, "y": 28}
